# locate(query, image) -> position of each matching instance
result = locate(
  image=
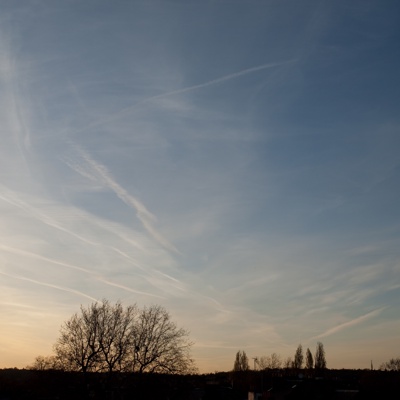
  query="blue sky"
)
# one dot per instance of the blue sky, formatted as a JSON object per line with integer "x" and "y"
{"x": 234, "y": 161}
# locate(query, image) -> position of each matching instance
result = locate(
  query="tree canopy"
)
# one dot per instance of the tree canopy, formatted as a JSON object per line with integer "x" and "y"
{"x": 107, "y": 337}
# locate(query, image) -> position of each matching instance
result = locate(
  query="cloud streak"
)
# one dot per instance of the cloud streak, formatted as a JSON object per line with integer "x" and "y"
{"x": 187, "y": 89}
{"x": 145, "y": 216}
{"x": 45, "y": 219}
{"x": 128, "y": 289}
{"x": 50, "y": 285}
{"x": 216, "y": 81}
{"x": 29, "y": 254}
{"x": 349, "y": 324}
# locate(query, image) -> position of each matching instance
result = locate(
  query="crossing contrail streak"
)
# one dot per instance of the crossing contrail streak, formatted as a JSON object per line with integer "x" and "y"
{"x": 215, "y": 81}
{"x": 221, "y": 79}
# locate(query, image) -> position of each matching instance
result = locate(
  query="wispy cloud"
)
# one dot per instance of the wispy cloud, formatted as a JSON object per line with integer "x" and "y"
{"x": 187, "y": 89}
{"x": 37, "y": 213}
{"x": 29, "y": 254}
{"x": 144, "y": 215}
{"x": 217, "y": 80}
{"x": 50, "y": 285}
{"x": 350, "y": 323}
{"x": 129, "y": 289}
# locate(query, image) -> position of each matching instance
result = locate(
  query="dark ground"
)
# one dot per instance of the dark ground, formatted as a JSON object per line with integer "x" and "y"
{"x": 279, "y": 385}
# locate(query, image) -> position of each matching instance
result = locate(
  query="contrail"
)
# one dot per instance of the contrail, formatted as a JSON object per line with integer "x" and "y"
{"x": 116, "y": 188}
{"x": 109, "y": 228}
{"x": 145, "y": 216}
{"x": 348, "y": 324}
{"x": 214, "y": 81}
{"x": 127, "y": 256}
{"x": 186, "y": 89}
{"x": 168, "y": 276}
{"x": 128, "y": 288}
{"x": 45, "y": 219}
{"x": 39, "y": 257}
{"x": 22, "y": 278}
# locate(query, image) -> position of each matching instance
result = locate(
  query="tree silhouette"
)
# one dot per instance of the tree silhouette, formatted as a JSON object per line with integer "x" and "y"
{"x": 298, "y": 357}
{"x": 43, "y": 363}
{"x": 241, "y": 362}
{"x": 158, "y": 345}
{"x": 273, "y": 361}
{"x": 107, "y": 337}
{"x": 309, "y": 359}
{"x": 288, "y": 362}
{"x": 320, "y": 359}
{"x": 392, "y": 365}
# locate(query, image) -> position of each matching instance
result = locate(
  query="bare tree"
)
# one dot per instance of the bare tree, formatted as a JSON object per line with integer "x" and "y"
{"x": 288, "y": 363}
{"x": 109, "y": 337}
{"x": 309, "y": 359}
{"x": 298, "y": 357}
{"x": 263, "y": 362}
{"x": 158, "y": 345}
{"x": 78, "y": 344}
{"x": 392, "y": 365}
{"x": 320, "y": 358}
{"x": 241, "y": 362}
{"x": 274, "y": 361}
{"x": 115, "y": 329}
{"x": 42, "y": 363}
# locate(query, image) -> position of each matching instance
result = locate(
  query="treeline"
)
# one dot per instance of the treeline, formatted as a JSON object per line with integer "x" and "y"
{"x": 300, "y": 361}
{"x": 108, "y": 338}
{"x": 275, "y": 361}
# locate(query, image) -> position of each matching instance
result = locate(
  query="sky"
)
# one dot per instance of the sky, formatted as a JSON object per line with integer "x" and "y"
{"x": 235, "y": 161}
